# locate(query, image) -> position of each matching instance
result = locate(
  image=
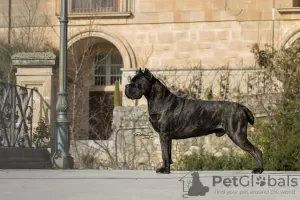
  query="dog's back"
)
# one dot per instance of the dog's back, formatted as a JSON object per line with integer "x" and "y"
{"x": 192, "y": 118}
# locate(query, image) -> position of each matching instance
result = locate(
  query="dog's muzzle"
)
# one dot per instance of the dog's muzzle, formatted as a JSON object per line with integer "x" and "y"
{"x": 127, "y": 88}
{"x": 132, "y": 93}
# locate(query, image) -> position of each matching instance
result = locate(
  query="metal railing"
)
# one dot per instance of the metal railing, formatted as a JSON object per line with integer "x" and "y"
{"x": 16, "y": 112}
{"x": 99, "y": 6}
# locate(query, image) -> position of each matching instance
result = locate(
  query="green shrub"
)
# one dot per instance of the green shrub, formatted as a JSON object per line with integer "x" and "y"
{"x": 202, "y": 161}
{"x": 280, "y": 142}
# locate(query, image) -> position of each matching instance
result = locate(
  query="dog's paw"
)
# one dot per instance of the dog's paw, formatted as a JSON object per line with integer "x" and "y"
{"x": 257, "y": 171}
{"x": 163, "y": 170}
{"x": 261, "y": 181}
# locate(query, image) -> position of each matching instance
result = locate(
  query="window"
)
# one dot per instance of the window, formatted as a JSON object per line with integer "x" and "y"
{"x": 85, "y": 6}
{"x": 107, "y": 69}
{"x": 101, "y": 114}
{"x": 296, "y": 3}
{"x": 293, "y": 8}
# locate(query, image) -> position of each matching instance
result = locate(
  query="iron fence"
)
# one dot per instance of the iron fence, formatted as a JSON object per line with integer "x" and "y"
{"x": 16, "y": 112}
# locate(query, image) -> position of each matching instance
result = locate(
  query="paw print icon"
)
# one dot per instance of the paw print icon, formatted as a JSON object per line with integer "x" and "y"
{"x": 261, "y": 181}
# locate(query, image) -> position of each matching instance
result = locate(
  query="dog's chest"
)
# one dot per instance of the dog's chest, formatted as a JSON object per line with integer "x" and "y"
{"x": 154, "y": 120}
{"x": 163, "y": 122}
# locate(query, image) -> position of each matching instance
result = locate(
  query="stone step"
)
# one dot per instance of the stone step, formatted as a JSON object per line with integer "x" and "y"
{"x": 25, "y": 165}
{"x": 25, "y": 158}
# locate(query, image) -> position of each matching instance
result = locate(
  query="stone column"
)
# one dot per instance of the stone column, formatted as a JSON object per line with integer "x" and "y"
{"x": 39, "y": 70}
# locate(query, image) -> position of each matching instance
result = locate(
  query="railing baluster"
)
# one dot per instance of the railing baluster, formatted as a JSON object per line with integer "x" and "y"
{"x": 30, "y": 121}
{"x": 11, "y": 131}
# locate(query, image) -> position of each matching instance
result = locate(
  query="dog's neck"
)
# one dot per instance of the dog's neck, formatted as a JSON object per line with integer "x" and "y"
{"x": 158, "y": 91}
{"x": 159, "y": 94}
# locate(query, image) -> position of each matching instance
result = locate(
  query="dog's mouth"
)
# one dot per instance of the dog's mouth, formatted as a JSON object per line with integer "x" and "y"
{"x": 133, "y": 93}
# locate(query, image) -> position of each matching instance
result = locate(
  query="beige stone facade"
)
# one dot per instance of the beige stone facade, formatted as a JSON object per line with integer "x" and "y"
{"x": 163, "y": 34}
{"x": 176, "y": 33}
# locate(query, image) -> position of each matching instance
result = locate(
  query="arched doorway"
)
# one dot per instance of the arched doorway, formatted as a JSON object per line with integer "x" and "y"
{"x": 290, "y": 38}
{"x": 94, "y": 66}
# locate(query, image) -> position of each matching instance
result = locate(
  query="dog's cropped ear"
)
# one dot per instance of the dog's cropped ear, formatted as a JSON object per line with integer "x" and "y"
{"x": 148, "y": 75}
{"x": 138, "y": 71}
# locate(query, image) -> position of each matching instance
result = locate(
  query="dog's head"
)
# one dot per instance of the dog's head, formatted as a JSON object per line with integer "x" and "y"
{"x": 139, "y": 85}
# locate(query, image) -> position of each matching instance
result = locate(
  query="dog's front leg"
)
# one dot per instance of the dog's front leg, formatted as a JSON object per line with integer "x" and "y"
{"x": 165, "y": 148}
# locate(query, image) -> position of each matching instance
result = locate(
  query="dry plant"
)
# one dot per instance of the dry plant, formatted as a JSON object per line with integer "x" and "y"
{"x": 90, "y": 112}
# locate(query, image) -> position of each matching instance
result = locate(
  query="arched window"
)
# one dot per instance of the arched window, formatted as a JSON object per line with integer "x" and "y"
{"x": 107, "y": 69}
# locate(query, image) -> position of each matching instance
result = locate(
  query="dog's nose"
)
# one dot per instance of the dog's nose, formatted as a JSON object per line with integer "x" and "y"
{"x": 126, "y": 86}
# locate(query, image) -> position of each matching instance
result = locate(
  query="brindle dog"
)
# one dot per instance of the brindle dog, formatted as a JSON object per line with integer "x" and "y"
{"x": 175, "y": 117}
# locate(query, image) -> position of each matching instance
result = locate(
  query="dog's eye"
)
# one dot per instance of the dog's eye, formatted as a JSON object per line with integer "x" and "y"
{"x": 137, "y": 86}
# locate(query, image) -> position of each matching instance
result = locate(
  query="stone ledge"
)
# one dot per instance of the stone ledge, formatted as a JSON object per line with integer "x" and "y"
{"x": 288, "y": 10}
{"x": 36, "y": 59}
{"x": 97, "y": 15}
{"x": 35, "y": 63}
{"x": 33, "y": 56}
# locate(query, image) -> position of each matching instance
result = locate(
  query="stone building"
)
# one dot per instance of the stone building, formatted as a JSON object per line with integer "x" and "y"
{"x": 114, "y": 37}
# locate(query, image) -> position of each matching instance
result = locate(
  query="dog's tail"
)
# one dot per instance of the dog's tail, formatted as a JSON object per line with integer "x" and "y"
{"x": 249, "y": 115}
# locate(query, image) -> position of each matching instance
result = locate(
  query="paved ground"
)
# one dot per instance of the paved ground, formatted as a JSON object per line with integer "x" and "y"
{"x": 133, "y": 185}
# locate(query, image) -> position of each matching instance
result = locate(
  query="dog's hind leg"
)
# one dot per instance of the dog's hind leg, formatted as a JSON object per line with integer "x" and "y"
{"x": 240, "y": 139}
